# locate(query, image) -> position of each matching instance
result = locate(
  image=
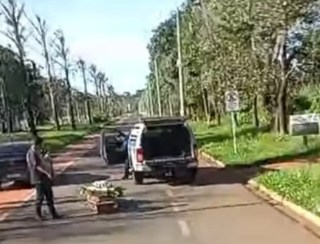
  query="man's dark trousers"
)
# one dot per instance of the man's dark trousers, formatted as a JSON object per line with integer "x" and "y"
{"x": 44, "y": 191}
{"x": 126, "y": 169}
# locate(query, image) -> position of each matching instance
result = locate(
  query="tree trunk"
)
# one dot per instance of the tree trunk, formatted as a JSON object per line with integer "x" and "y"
{"x": 170, "y": 106}
{"x": 10, "y": 121}
{"x": 282, "y": 114}
{"x": 88, "y": 105}
{"x": 69, "y": 101}
{"x": 255, "y": 114}
{"x": 216, "y": 110}
{"x": 54, "y": 106}
{"x": 101, "y": 100}
{"x": 281, "y": 51}
{"x": 205, "y": 104}
{"x": 88, "y": 109}
{"x": 77, "y": 111}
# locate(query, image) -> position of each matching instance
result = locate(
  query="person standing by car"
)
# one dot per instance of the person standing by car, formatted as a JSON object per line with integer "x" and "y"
{"x": 123, "y": 139}
{"x": 126, "y": 162}
{"x": 41, "y": 179}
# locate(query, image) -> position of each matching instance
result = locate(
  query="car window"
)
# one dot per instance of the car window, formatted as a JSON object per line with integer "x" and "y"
{"x": 13, "y": 149}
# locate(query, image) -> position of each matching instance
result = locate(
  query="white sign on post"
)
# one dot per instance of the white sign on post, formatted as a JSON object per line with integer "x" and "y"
{"x": 233, "y": 105}
{"x": 232, "y": 101}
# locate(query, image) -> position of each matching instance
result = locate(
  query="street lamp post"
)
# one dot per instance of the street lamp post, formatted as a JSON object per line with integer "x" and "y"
{"x": 180, "y": 66}
{"x": 156, "y": 70}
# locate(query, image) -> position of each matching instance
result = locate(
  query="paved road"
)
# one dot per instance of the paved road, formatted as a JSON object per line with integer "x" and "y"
{"x": 217, "y": 209}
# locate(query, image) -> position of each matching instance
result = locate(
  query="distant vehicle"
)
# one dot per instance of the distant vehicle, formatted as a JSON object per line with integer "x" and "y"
{"x": 13, "y": 164}
{"x": 162, "y": 147}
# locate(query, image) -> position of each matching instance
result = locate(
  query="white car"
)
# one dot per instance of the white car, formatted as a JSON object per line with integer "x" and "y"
{"x": 161, "y": 148}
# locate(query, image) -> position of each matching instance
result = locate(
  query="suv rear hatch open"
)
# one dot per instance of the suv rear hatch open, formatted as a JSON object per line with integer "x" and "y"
{"x": 166, "y": 140}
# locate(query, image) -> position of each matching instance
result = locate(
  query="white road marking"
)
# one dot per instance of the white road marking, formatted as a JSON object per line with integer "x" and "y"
{"x": 185, "y": 230}
{"x": 175, "y": 206}
{"x": 170, "y": 193}
{"x": 183, "y": 225}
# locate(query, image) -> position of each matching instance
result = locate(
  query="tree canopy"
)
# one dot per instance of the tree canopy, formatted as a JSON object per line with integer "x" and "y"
{"x": 267, "y": 50}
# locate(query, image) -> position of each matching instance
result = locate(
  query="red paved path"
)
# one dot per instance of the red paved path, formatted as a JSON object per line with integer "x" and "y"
{"x": 10, "y": 199}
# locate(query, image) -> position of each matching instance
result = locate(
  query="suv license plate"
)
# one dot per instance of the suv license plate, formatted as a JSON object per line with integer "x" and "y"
{"x": 10, "y": 176}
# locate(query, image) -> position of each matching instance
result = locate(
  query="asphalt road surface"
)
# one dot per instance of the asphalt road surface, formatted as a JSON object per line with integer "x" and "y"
{"x": 216, "y": 209}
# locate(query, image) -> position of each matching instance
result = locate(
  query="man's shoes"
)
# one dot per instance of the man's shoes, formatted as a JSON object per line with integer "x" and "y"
{"x": 56, "y": 216}
{"x": 125, "y": 177}
{"x": 39, "y": 218}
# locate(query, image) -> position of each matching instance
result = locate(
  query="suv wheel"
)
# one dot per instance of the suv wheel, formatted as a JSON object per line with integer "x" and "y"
{"x": 191, "y": 176}
{"x": 138, "y": 178}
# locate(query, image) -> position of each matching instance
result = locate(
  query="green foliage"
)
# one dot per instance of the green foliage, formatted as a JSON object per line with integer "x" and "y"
{"x": 53, "y": 140}
{"x": 302, "y": 186}
{"x": 102, "y": 189}
{"x": 237, "y": 45}
{"x": 100, "y": 118}
{"x": 255, "y": 146}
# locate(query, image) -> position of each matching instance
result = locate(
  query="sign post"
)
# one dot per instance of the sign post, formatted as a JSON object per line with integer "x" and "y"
{"x": 233, "y": 105}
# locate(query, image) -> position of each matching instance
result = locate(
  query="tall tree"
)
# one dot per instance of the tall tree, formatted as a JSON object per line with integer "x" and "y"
{"x": 41, "y": 31}
{"x": 83, "y": 68}
{"x": 63, "y": 54}
{"x": 16, "y": 33}
{"x": 93, "y": 71}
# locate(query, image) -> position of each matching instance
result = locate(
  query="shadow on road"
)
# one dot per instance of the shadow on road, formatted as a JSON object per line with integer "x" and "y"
{"x": 30, "y": 203}
{"x": 94, "y": 224}
{"x": 78, "y": 178}
{"x": 227, "y": 175}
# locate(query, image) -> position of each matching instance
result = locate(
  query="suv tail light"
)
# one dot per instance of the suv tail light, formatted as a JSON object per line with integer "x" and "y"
{"x": 140, "y": 157}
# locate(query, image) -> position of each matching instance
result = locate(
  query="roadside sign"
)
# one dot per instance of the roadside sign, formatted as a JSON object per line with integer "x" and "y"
{"x": 233, "y": 105}
{"x": 304, "y": 124}
{"x": 232, "y": 101}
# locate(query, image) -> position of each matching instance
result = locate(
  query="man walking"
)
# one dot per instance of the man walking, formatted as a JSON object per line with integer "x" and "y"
{"x": 41, "y": 179}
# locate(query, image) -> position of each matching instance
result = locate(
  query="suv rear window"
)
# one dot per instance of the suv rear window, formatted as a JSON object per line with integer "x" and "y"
{"x": 166, "y": 141}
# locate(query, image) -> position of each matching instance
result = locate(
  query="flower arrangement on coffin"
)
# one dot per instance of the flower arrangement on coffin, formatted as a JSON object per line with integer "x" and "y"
{"x": 102, "y": 195}
{"x": 103, "y": 189}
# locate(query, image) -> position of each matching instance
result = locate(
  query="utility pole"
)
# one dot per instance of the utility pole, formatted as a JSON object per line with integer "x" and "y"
{"x": 180, "y": 67}
{"x": 150, "y": 99}
{"x": 158, "y": 86}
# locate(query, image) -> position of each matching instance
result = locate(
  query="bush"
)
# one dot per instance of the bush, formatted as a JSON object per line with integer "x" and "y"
{"x": 254, "y": 145}
{"x": 99, "y": 118}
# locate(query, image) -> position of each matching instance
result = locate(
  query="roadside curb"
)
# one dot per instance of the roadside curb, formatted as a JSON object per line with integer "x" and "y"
{"x": 281, "y": 200}
{"x": 300, "y": 211}
{"x": 212, "y": 159}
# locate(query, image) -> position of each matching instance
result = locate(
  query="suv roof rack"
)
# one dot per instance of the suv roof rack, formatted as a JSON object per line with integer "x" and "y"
{"x": 153, "y": 121}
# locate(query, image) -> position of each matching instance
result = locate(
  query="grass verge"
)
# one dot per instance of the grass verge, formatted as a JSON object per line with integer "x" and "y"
{"x": 54, "y": 140}
{"x": 255, "y": 146}
{"x": 301, "y": 186}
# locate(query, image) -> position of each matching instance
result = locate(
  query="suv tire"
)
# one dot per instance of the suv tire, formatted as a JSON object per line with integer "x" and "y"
{"x": 138, "y": 178}
{"x": 191, "y": 176}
